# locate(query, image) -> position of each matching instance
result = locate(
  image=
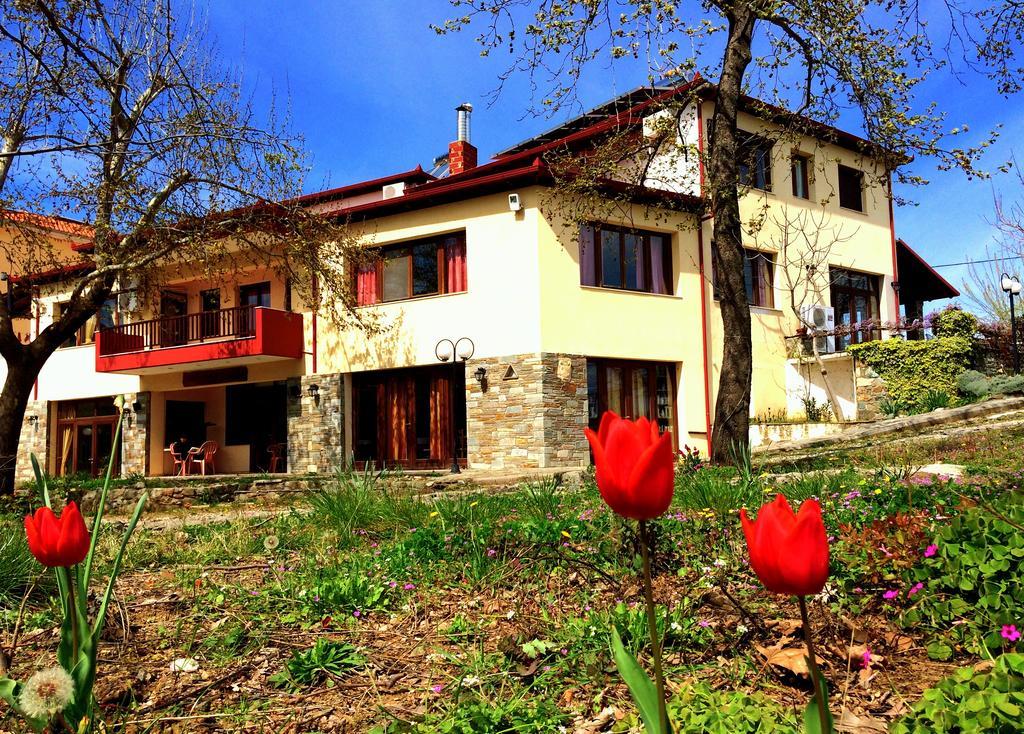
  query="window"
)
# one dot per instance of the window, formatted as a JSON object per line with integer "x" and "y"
{"x": 615, "y": 257}
{"x": 758, "y": 276}
{"x": 422, "y": 268}
{"x": 254, "y": 294}
{"x": 106, "y": 317}
{"x": 851, "y": 188}
{"x": 755, "y": 161}
{"x": 800, "y": 174}
{"x": 855, "y": 300}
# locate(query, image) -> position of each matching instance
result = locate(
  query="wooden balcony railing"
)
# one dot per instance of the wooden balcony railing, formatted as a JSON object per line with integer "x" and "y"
{"x": 173, "y": 331}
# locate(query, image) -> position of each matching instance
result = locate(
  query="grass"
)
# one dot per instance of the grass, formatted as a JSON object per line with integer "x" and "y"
{"x": 489, "y": 612}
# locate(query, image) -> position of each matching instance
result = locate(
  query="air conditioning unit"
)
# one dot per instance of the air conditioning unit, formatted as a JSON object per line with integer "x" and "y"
{"x": 821, "y": 325}
{"x": 394, "y": 190}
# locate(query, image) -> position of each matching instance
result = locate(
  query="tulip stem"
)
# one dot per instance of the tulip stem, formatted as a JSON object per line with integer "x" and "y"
{"x": 72, "y": 611}
{"x": 812, "y": 662}
{"x": 652, "y": 626}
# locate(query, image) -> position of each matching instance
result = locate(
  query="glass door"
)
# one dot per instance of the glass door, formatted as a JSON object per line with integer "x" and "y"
{"x": 632, "y": 390}
{"x": 173, "y": 318}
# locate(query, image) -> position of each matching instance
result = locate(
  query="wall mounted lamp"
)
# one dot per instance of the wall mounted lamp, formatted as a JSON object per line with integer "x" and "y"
{"x": 481, "y": 377}
{"x": 314, "y": 392}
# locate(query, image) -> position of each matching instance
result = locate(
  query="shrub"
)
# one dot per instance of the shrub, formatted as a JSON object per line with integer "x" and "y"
{"x": 971, "y": 700}
{"x": 912, "y": 369}
{"x": 817, "y": 412}
{"x": 934, "y": 399}
{"x": 954, "y": 322}
{"x": 971, "y": 586}
{"x": 890, "y": 408}
{"x": 976, "y": 385}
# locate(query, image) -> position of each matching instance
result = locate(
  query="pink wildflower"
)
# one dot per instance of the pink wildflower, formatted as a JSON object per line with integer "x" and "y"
{"x": 914, "y": 589}
{"x": 931, "y": 550}
{"x": 891, "y": 594}
{"x": 1010, "y": 633}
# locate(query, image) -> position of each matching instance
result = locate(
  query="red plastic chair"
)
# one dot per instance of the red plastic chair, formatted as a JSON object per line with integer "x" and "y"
{"x": 203, "y": 455}
{"x": 179, "y": 460}
{"x": 277, "y": 457}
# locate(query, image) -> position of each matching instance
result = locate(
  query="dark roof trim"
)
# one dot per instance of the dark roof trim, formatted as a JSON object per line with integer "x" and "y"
{"x": 942, "y": 282}
{"x": 53, "y": 276}
{"x": 416, "y": 176}
{"x": 577, "y": 127}
{"x": 461, "y": 187}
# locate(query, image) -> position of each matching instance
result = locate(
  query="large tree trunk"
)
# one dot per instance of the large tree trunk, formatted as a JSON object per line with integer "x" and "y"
{"x": 732, "y": 407}
{"x": 21, "y": 376}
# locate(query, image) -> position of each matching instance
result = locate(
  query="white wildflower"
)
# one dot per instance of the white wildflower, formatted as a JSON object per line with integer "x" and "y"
{"x": 742, "y": 629}
{"x": 470, "y": 680}
{"x": 46, "y": 693}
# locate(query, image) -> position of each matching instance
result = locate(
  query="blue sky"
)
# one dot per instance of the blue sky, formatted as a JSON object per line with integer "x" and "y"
{"x": 373, "y": 90}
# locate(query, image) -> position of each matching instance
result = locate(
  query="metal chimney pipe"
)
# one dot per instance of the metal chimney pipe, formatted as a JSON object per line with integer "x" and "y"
{"x": 464, "y": 109}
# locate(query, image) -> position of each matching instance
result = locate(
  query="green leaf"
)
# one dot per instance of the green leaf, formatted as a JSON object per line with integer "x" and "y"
{"x": 41, "y": 485}
{"x": 812, "y": 719}
{"x": 644, "y": 693}
{"x": 101, "y": 505}
{"x": 115, "y": 569}
{"x": 939, "y": 651}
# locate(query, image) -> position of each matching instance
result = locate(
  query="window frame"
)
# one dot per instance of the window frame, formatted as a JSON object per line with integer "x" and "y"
{"x": 859, "y": 176}
{"x": 599, "y": 228}
{"x": 749, "y": 255}
{"x": 754, "y": 258}
{"x": 79, "y": 337}
{"x": 752, "y": 151}
{"x": 873, "y": 295}
{"x": 804, "y": 177}
{"x": 383, "y": 252}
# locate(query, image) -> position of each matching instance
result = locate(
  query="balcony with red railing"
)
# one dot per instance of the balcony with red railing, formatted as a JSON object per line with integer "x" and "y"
{"x": 225, "y": 338}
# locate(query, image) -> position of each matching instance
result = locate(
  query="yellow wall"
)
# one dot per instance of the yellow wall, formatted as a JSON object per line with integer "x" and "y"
{"x": 499, "y": 311}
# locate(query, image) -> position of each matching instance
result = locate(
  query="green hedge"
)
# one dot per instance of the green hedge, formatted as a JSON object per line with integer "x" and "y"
{"x": 912, "y": 369}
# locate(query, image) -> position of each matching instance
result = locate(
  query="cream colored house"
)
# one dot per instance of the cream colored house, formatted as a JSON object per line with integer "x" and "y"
{"x": 550, "y": 323}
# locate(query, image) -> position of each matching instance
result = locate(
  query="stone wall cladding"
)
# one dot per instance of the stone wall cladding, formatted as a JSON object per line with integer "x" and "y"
{"x": 531, "y": 418}
{"x": 135, "y": 436}
{"x": 35, "y": 432}
{"x": 316, "y": 432}
{"x": 871, "y": 390}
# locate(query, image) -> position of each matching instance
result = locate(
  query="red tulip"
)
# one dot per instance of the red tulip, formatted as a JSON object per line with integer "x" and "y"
{"x": 57, "y": 541}
{"x": 788, "y": 552}
{"x": 635, "y": 466}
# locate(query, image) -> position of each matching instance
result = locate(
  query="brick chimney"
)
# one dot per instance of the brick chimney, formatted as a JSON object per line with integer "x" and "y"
{"x": 462, "y": 153}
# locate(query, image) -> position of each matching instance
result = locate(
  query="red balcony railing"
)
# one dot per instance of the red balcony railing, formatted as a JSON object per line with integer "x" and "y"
{"x": 175, "y": 331}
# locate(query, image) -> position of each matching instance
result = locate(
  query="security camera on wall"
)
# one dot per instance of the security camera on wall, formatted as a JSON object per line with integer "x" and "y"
{"x": 513, "y": 202}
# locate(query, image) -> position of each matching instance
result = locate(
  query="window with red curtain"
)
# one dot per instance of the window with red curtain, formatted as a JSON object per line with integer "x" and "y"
{"x": 627, "y": 259}
{"x": 425, "y": 267}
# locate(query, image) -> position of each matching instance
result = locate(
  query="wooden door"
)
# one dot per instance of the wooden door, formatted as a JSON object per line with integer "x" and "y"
{"x": 173, "y": 318}
{"x": 405, "y": 418}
